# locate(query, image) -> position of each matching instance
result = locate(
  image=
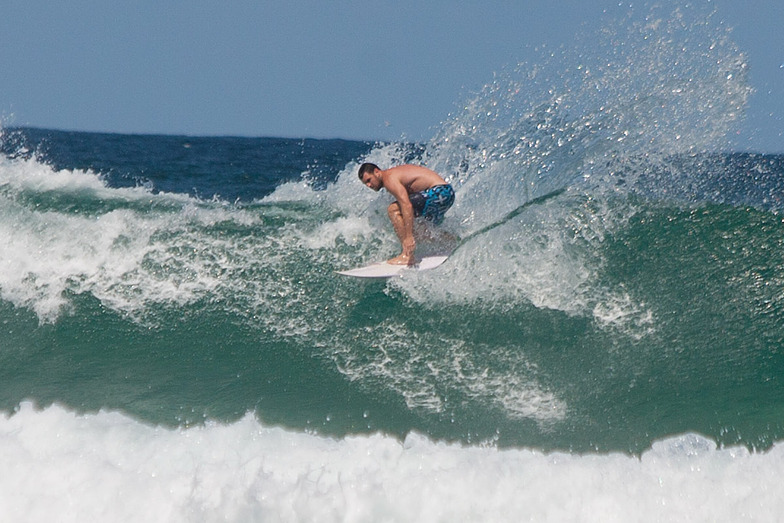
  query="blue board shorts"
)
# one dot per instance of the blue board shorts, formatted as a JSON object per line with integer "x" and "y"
{"x": 433, "y": 203}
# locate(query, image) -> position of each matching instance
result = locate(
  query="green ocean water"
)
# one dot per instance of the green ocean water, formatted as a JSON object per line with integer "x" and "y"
{"x": 540, "y": 331}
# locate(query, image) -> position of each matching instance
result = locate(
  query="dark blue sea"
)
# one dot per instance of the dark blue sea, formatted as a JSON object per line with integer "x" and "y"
{"x": 606, "y": 342}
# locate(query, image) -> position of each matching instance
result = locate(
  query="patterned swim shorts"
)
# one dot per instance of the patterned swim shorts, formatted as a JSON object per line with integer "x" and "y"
{"x": 432, "y": 203}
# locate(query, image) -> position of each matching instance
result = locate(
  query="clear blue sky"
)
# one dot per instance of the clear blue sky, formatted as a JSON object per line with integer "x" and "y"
{"x": 364, "y": 69}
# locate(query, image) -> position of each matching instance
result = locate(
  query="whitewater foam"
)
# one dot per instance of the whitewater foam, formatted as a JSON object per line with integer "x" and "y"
{"x": 127, "y": 257}
{"x": 107, "y": 467}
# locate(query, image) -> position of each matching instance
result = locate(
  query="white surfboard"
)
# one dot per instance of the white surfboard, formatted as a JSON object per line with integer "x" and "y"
{"x": 387, "y": 270}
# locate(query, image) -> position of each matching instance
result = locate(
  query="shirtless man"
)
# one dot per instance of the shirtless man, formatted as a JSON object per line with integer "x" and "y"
{"x": 418, "y": 191}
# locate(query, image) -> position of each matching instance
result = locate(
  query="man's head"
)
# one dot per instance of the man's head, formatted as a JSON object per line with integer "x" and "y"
{"x": 370, "y": 175}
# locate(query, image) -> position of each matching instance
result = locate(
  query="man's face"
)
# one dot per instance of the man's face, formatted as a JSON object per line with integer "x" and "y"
{"x": 372, "y": 180}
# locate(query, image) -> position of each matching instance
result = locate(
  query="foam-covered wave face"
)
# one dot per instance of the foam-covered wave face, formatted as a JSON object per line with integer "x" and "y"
{"x": 67, "y": 232}
{"x": 154, "y": 257}
{"x": 64, "y": 467}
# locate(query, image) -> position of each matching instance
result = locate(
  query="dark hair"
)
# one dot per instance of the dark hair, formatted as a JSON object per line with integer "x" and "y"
{"x": 367, "y": 168}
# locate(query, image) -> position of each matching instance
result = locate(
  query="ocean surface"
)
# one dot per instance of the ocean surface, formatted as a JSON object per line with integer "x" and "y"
{"x": 606, "y": 342}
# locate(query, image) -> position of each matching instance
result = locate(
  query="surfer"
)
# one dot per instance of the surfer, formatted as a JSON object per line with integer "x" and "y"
{"x": 418, "y": 191}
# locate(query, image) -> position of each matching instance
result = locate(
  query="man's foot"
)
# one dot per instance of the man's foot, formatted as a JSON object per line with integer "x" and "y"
{"x": 403, "y": 259}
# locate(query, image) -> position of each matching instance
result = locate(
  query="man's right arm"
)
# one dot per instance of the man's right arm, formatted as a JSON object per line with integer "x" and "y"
{"x": 396, "y": 189}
